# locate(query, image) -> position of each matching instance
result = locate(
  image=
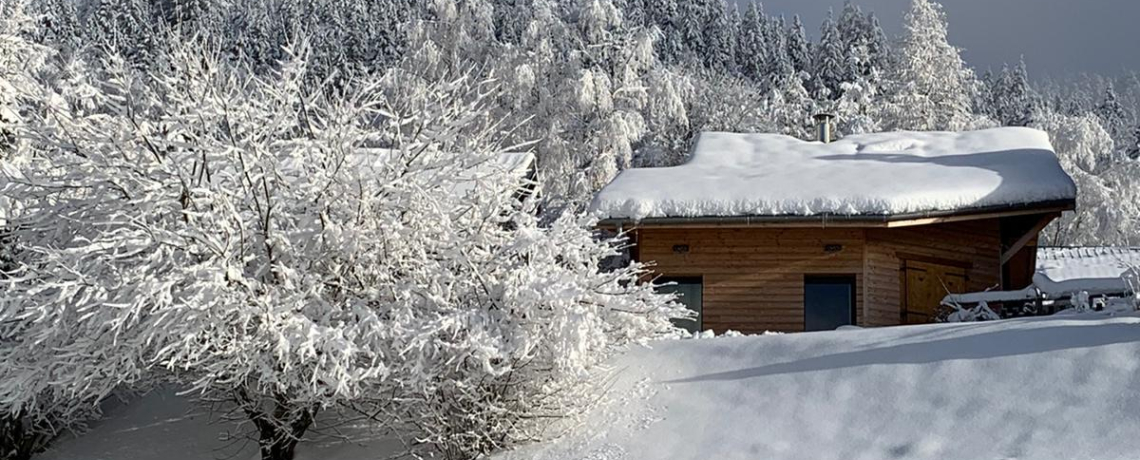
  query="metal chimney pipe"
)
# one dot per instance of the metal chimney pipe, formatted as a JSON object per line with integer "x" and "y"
{"x": 823, "y": 124}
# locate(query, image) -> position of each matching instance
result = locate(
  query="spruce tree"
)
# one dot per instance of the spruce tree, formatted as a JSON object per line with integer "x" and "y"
{"x": 720, "y": 35}
{"x": 753, "y": 48}
{"x": 1013, "y": 99}
{"x": 830, "y": 66}
{"x": 798, "y": 48}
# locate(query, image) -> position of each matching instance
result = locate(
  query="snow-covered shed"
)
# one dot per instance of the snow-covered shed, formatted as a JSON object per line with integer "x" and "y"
{"x": 1097, "y": 270}
{"x": 769, "y": 232}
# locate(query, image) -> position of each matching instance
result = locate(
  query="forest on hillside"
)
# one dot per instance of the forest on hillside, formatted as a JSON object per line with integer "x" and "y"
{"x": 601, "y": 85}
{"x": 294, "y": 206}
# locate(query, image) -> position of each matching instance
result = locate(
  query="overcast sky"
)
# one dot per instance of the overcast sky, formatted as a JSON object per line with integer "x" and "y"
{"x": 1058, "y": 38}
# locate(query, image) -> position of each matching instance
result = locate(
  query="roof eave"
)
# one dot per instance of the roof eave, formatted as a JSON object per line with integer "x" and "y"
{"x": 849, "y": 220}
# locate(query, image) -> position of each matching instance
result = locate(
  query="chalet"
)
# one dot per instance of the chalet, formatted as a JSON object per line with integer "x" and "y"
{"x": 765, "y": 232}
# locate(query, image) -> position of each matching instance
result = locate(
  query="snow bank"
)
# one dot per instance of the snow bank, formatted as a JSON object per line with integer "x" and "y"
{"x": 868, "y": 174}
{"x": 1045, "y": 388}
{"x": 1096, "y": 270}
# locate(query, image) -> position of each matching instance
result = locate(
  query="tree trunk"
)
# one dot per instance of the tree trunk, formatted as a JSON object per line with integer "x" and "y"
{"x": 280, "y": 426}
{"x": 18, "y": 438}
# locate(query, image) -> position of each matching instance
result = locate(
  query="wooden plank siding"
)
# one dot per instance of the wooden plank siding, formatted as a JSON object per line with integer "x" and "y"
{"x": 753, "y": 277}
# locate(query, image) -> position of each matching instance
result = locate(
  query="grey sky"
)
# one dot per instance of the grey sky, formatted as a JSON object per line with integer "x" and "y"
{"x": 1059, "y": 38}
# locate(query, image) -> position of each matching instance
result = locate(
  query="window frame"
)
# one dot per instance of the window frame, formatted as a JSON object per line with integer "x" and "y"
{"x": 820, "y": 279}
{"x": 679, "y": 280}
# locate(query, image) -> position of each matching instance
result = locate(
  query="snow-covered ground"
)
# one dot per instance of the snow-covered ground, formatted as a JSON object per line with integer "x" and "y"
{"x": 1044, "y": 388}
{"x": 165, "y": 426}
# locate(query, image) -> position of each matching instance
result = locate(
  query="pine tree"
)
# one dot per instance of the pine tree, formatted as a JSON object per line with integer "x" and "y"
{"x": 865, "y": 46}
{"x": 692, "y": 17}
{"x": 934, "y": 89}
{"x": 1132, "y": 149}
{"x": 1111, "y": 113}
{"x": 984, "y": 99}
{"x": 665, "y": 14}
{"x": 1013, "y": 99}
{"x": 60, "y": 24}
{"x": 752, "y": 48}
{"x": 779, "y": 61}
{"x": 830, "y": 67}
{"x": 799, "y": 50}
{"x": 720, "y": 32}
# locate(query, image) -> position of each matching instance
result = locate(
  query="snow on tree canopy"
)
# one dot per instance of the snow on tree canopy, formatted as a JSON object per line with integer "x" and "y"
{"x": 1095, "y": 270}
{"x": 736, "y": 175}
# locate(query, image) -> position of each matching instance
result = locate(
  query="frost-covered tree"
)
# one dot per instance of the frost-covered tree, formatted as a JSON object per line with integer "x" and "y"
{"x": 1132, "y": 148}
{"x": 798, "y": 48}
{"x": 857, "y": 110}
{"x": 866, "y": 50}
{"x": 664, "y": 14}
{"x": 831, "y": 67}
{"x": 1112, "y": 114}
{"x": 1013, "y": 100}
{"x": 752, "y": 51}
{"x": 934, "y": 89}
{"x": 294, "y": 249}
{"x": 721, "y": 33}
{"x": 1107, "y": 203}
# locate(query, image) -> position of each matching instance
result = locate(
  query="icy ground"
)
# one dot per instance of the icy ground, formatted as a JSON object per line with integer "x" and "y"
{"x": 1046, "y": 388}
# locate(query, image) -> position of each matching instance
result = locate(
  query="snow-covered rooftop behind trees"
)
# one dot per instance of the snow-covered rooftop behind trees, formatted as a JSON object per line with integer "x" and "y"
{"x": 735, "y": 175}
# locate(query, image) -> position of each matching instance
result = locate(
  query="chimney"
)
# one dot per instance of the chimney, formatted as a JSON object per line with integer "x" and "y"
{"x": 823, "y": 126}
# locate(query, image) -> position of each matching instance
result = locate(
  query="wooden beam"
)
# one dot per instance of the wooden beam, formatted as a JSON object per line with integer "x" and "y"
{"x": 1024, "y": 239}
{"x": 968, "y": 217}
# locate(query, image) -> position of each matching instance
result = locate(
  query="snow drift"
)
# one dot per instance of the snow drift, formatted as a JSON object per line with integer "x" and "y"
{"x": 1032, "y": 389}
{"x": 732, "y": 174}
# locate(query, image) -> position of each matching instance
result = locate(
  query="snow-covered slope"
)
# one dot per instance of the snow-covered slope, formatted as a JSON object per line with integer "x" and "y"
{"x": 1024, "y": 389}
{"x": 1047, "y": 388}
{"x": 732, "y": 174}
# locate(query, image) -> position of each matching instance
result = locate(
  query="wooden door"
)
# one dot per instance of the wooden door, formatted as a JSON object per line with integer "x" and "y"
{"x": 925, "y": 285}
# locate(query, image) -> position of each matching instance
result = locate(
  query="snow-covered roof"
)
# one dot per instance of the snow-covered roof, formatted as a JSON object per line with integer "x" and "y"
{"x": 1096, "y": 270}
{"x": 737, "y": 175}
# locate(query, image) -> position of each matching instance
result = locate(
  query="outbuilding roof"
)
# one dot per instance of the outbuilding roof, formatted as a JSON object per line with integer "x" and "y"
{"x": 865, "y": 176}
{"x": 1096, "y": 270}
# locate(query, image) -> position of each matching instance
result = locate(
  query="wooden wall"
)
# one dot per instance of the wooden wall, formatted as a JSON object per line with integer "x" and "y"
{"x": 753, "y": 277}
{"x": 973, "y": 245}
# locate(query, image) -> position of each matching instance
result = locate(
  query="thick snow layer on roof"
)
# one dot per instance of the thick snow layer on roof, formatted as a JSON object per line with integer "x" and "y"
{"x": 868, "y": 174}
{"x": 1092, "y": 269}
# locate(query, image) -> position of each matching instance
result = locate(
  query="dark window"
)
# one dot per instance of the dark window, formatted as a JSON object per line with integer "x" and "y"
{"x": 829, "y": 302}
{"x": 688, "y": 292}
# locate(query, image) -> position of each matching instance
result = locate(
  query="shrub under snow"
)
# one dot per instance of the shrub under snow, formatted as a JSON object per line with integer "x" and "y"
{"x": 294, "y": 250}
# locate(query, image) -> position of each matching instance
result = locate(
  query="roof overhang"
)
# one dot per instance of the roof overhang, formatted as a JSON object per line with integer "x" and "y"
{"x": 848, "y": 220}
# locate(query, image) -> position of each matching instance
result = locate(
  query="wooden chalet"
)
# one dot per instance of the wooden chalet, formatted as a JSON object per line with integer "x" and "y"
{"x": 770, "y": 233}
